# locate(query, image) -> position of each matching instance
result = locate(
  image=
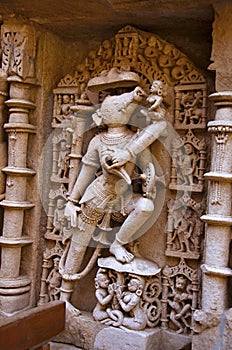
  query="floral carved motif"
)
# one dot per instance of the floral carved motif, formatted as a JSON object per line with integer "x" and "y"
{"x": 19, "y": 51}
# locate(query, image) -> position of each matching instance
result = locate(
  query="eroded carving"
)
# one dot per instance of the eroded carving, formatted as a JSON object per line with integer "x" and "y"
{"x": 180, "y": 289}
{"x": 19, "y": 51}
{"x": 184, "y": 229}
{"x": 190, "y": 106}
{"x": 54, "y": 280}
{"x": 188, "y": 163}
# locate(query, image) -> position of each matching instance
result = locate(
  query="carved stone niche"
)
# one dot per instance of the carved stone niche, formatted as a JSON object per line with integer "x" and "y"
{"x": 190, "y": 106}
{"x": 51, "y": 278}
{"x": 129, "y": 53}
{"x": 61, "y": 149}
{"x": 184, "y": 228}
{"x": 57, "y": 222}
{"x": 179, "y": 297}
{"x": 128, "y": 295}
{"x": 64, "y": 99}
{"x": 188, "y": 163}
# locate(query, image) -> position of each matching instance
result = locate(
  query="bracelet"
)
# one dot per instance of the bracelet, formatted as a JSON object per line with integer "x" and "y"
{"x": 72, "y": 200}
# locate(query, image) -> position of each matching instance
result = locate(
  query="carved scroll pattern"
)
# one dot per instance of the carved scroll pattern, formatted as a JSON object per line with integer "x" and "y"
{"x": 150, "y": 56}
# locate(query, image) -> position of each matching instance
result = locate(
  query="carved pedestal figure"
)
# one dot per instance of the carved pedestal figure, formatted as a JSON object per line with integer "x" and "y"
{"x": 128, "y": 295}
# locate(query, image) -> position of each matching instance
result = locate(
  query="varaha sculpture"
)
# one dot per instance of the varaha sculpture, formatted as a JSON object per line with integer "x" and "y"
{"x": 123, "y": 80}
{"x": 113, "y": 110}
{"x": 117, "y": 152}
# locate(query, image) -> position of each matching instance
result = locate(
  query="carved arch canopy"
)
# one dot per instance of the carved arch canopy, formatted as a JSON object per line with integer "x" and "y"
{"x": 144, "y": 53}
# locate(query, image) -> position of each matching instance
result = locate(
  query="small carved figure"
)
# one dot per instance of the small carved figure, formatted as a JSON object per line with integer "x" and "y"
{"x": 59, "y": 218}
{"x": 128, "y": 311}
{"x": 186, "y": 163}
{"x": 185, "y": 231}
{"x": 54, "y": 280}
{"x": 63, "y": 160}
{"x": 130, "y": 302}
{"x": 180, "y": 308}
{"x": 155, "y": 99}
{"x": 104, "y": 294}
{"x": 191, "y": 103}
{"x": 64, "y": 111}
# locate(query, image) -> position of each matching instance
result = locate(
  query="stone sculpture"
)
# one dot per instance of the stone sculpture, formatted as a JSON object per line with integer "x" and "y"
{"x": 180, "y": 310}
{"x": 92, "y": 202}
{"x": 53, "y": 280}
{"x": 127, "y": 294}
{"x": 59, "y": 218}
{"x": 178, "y": 94}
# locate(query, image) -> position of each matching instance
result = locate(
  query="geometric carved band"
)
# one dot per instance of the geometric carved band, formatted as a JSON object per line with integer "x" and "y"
{"x": 217, "y": 219}
{"x": 220, "y": 126}
{"x": 216, "y": 271}
{"x": 16, "y": 205}
{"x": 218, "y": 176}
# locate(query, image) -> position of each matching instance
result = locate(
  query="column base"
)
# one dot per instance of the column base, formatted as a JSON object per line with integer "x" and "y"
{"x": 212, "y": 330}
{"x": 14, "y": 294}
{"x": 84, "y": 332}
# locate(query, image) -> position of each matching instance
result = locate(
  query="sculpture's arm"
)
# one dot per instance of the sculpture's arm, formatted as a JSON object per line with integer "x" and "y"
{"x": 127, "y": 307}
{"x": 90, "y": 164}
{"x": 146, "y": 137}
{"x": 85, "y": 177}
{"x": 137, "y": 145}
{"x": 103, "y": 300}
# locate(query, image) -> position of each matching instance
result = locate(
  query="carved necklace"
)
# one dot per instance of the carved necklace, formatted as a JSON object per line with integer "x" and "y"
{"x": 115, "y": 136}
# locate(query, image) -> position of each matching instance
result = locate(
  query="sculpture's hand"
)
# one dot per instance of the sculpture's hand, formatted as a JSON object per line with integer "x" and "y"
{"x": 71, "y": 212}
{"x": 111, "y": 289}
{"x": 120, "y": 157}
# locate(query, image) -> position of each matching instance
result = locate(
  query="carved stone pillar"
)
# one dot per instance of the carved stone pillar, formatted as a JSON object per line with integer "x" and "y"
{"x": 219, "y": 221}
{"x": 14, "y": 287}
{"x": 3, "y": 143}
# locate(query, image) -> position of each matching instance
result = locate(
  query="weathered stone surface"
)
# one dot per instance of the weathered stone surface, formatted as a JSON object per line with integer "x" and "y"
{"x": 222, "y": 46}
{"x": 215, "y": 337}
{"x": 114, "y": 339}
{"x": 84, "y": 332}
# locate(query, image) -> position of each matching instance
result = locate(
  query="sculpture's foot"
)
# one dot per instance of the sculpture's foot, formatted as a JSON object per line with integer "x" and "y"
{"x": 120, "y": 253}
{"x": 72, "y": 310}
